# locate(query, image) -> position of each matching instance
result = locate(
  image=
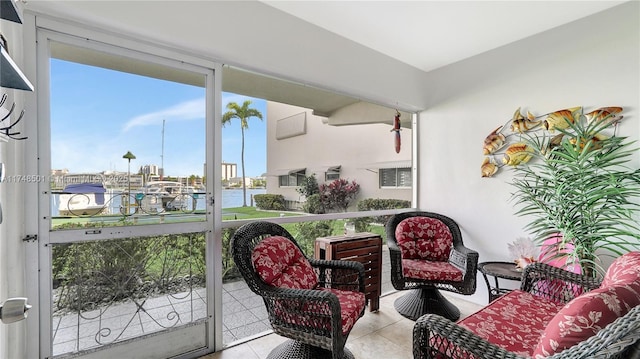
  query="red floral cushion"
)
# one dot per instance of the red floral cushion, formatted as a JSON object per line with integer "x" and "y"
{"x": 424, "y": 238}
{"x": 280, "y": 263}
{"x": 585, "y": 315}
{"x": 427, "y": 270}
{"x": 514, "y": 321}
{"x": 312, "y": 314}
{"x": 351, "y": 305}
{"x": 624, "y": 270}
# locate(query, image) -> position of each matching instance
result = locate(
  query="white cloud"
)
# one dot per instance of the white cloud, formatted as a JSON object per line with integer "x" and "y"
{"x": 187, "y": 110}
{"x": 229, "y": 97}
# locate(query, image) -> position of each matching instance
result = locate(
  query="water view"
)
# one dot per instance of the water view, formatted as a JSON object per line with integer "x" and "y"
{"x": 231, "y": 198}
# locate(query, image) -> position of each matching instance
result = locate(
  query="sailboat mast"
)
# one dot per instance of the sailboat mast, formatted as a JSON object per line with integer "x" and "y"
{"x": 162, "y": 153}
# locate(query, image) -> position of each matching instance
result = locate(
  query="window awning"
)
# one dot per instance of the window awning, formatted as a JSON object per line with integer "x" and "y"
{"x": 285, "y": 172}
{"x": 387, "y": 164}
{"x": 323, "y": 169}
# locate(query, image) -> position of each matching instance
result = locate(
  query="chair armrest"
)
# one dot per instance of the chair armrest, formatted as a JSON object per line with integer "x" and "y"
{"x": 305, "y": 310}
{"x": 437, "y": 337}
{"x": 340, "y": 274}
{"x": 465, "y": 259}
{"x": 555, "y": 283}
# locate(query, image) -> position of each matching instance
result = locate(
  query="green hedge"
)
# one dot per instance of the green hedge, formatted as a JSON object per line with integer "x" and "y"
{"x": 270, "y": 201}
{"x": 375, "y": 204}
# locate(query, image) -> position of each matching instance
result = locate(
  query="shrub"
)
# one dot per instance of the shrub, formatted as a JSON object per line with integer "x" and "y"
{"x": 267, "y": 201}
{"x": 374, "y": 204}
{"x": 309, "y": 186}
{"x": 339, "y": 194}
{"x": 229, "y": 269}
{"x": 314, "y": 204}
{"x": 307, "y": 232}
{"x": 90, "y": 273}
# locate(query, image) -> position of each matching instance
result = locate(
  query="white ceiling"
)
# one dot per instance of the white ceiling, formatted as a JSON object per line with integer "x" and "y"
{"x": 421, "y": 33}
{"x": 431, "y": 34}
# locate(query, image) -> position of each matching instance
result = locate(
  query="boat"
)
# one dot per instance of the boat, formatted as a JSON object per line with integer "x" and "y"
{"x": 82, "y": 199}
{"x": 161, "y": 196}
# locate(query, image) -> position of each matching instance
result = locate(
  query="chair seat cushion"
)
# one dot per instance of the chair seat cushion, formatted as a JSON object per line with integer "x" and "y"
{"x": 280, "y": 263}
{"x": 424, "y": 238}
{"x": 514, "y": 321}
{"x": 351, "y": 306}
{"x": 317, "y": 315}
{"x": 427, "y": 270}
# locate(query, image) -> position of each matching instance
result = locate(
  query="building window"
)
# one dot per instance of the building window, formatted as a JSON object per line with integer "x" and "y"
{"x": 332, "y": 174}
{"x": 395, "y": 177}
{"x": 292, "y": 179}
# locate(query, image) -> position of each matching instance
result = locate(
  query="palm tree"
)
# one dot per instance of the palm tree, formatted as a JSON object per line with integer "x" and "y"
{"x": 243, "y": 113}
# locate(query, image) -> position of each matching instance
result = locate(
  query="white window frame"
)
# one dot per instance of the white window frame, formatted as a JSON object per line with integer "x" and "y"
{"x": 398, "y": 176}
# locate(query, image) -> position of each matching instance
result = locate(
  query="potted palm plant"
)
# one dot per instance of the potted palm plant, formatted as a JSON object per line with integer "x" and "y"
{"x": 578, "y": 187}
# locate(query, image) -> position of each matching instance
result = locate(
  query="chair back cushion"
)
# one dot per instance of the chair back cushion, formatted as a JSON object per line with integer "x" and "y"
{"x": 586, "y": 314}
{"x": 280, "y": 263}
{"x": 424, "y": 238}
{"x": 624, "y": 270}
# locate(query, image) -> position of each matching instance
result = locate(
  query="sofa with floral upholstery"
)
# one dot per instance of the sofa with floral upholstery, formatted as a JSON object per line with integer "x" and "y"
{"x": 554, "y": 314}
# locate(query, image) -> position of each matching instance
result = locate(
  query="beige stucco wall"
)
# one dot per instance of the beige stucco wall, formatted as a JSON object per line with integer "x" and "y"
{"x": 593, "y": 63}
{"x": 353, "y": 147}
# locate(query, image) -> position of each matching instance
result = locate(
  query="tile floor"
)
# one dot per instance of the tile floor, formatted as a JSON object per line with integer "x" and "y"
{"x": 383, "y": 334}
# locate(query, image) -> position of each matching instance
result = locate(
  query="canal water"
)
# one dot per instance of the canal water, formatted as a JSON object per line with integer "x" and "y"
{"x": 231, "y": 198}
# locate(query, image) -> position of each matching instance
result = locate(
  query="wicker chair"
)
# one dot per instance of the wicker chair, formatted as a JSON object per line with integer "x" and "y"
{"x": 438, "y": 337}
{"x": 424, "y": 296}
{"x": 315, "y": 319}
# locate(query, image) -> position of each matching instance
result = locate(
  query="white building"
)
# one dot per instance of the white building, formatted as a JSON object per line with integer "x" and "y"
{"x": 229, "y": 170}
{"x": 360, "y": 152}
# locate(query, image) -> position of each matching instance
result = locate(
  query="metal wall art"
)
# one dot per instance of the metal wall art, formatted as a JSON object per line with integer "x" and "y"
{"x": 507, "y": 145}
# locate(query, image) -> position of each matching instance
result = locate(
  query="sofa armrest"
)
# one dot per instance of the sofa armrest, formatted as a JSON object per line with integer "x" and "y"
{"x": 437, "y": 337}
{"x": 555, "y": 283}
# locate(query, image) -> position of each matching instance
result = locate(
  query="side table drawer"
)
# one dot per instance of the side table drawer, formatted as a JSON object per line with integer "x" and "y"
{"x": 363, "y": 244}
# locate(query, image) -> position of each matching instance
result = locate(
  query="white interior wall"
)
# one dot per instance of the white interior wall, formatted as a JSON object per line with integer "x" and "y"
{"x": 593, "y": 63}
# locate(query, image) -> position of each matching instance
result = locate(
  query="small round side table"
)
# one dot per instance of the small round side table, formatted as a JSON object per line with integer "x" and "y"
{"x": 504, "y": 270}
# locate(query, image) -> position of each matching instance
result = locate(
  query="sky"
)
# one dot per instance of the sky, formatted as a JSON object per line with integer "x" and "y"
{"x": 97, "y": 115}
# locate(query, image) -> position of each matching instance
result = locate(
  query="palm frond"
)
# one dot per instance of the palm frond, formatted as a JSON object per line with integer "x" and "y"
{"x": 581, "y": 188}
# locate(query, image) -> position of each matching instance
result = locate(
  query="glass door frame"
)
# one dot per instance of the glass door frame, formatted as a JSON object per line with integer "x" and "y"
{"x": 46, "y": 30}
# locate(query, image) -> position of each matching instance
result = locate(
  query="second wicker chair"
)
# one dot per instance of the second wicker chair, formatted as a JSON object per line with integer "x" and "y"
{"x": 428, "y": 255}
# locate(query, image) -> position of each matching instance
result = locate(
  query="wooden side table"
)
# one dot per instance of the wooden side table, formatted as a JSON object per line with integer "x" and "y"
{"x": 365, "y": 248}
{"x": 504, "y": 270}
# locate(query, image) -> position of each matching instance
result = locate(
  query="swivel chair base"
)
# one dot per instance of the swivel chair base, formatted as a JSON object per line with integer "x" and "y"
{"x": 426, "y": 300}
{"x": 298, "y": 350}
